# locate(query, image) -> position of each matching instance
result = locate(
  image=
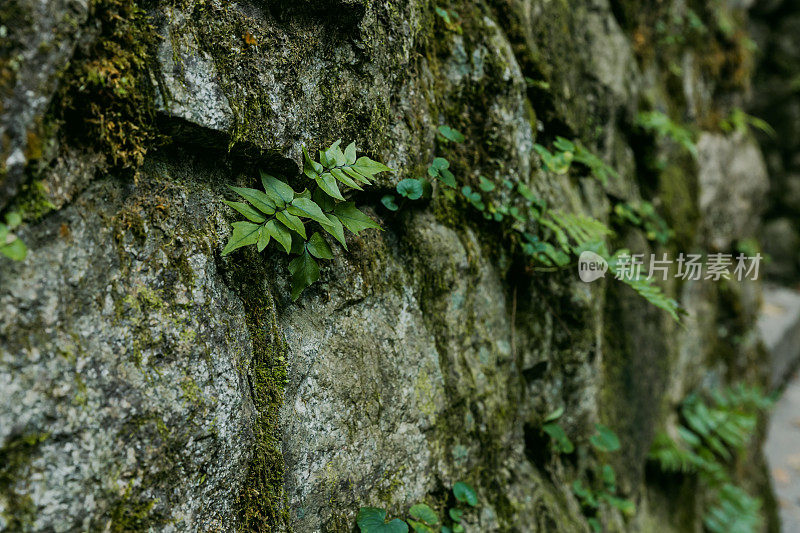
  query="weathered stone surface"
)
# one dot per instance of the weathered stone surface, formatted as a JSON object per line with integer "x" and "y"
{"x": 125, "y": 355}
{"x": 39, "y": 38}
{"x": 145, "y": 371}
{"x": 732, "y": 181}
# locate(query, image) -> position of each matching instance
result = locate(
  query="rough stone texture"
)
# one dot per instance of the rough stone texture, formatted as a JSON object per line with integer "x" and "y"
{"x": 144, "y": 369}
{"x": 732, "y": 182}
{"x": 38, "y": 40}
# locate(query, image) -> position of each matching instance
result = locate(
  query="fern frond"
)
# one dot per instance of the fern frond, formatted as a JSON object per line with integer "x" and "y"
{"x": 653, "y": 294}
{"x": 735, "y": 512}
{"x": 671, "y": 457}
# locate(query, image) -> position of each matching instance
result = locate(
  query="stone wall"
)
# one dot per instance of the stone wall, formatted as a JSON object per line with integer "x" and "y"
{"x": 151, "y": 384}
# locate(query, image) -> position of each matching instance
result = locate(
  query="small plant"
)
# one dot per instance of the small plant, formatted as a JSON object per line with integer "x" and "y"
{"x": 713, "y": 429}
{"x": 373, "y": 520}
{"x": 450, "y": 19}
{"x": 450, "y": 134}
{"x": 409, "y": 189}
{"x": 663, "y": 127}
{"x": 740, "y": 122}
{"x": 644, "y": 215}
{"x": 603, "y": 487}
{"x": 12, "y": 246}
{"x": 440, "y": 169}
{"x": 567, "y": 152}
{"x": 558, "y": 437}
{"x": 602, "y": 490}
{"x": 279, "y": 213}
{"x": 422, "y": 518}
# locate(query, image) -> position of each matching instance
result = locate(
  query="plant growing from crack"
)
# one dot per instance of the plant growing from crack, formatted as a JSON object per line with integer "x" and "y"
{"x": 290, "y": 219}
{"x": 421, "y": 517}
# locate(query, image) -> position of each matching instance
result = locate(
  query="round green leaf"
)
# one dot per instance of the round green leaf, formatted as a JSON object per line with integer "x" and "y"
{"x": 15, "y": 250}
{"x": 447, "y": 178}
{"x": 373, "y": 520}
{"x": 424, "y": 513}
{"x": 13, "y": 219}
{"x": 465, "y": 493}
{"x": 485, "y": 184}
{"x": 455, "y": 514}
{"x": 389, "y": 203}
{"x": 451, "y": 134}
{"x": 410, "y": 188}
{"x": 605, "y": 439}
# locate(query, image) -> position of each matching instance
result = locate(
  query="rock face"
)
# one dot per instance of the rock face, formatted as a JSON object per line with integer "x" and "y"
{"x": 151, "y": 384}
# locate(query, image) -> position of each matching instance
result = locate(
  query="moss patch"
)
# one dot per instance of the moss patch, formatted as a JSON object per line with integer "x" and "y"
{"x": 15, "y": 458}
{"x": 261, "y": 503}
{"x": 106, "y": 98}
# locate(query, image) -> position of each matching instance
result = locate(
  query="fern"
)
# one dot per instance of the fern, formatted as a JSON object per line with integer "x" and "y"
{"x": 561, "y": 235}
{"x": 660, "y": 124}
{"x": 735, "y": 512}
{"x": 644, "y": 215}
{"x": 280, "y": 214}
{"x": 713, "y": 430}
{"x": 568, "y": 152}
{"x": 673, "y": 458}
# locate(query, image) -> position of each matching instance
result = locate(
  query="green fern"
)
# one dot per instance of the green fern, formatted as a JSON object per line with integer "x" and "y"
{"x": 673, "y": 458}
{"x": 280, "y": 214}
{"x": 714, "y": 429}
{"x": 660, "y": 124}
{"x": 735, "y": 512}
{"x": 567, "y": 152}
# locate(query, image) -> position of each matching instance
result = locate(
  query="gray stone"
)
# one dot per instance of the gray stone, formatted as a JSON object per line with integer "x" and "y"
{"x": 732, "y": 181}
{"x": 145, "y": 372}
{"x": 41, "y": 37}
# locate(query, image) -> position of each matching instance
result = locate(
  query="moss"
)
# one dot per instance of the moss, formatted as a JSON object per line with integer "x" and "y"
{"x": 15, "y": 458}
{"x": 106, "y": 97}
{"x": 33, "y": 201}
{"x": 130, "y": 514}
{"x": 261, "y": 503}
{"x": 677, "y": 189}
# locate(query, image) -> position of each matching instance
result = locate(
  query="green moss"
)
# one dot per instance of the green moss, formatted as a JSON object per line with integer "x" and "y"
{"x": 130, "y": 514}
{"x": 15, "y": 458}
{"x": 106, "y": 97}
{"x": 677, "y": 188}
{"x": 261, "y": 503}
{"x": 32, "y": 202}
